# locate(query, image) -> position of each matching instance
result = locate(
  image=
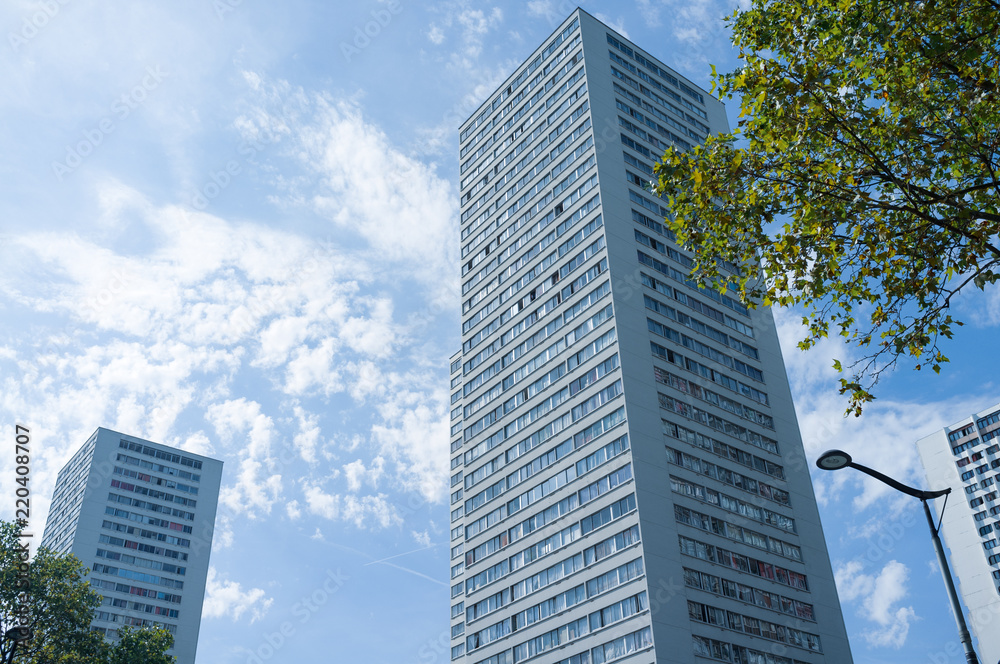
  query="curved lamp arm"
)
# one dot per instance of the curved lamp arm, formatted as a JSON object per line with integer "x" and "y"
{"x": 835, "y": 460}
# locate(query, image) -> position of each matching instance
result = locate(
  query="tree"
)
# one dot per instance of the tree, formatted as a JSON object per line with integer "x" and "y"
{"x": 144, "y": 645}
{"x": 60, "y": 607}
{"x": 861, "y": 181}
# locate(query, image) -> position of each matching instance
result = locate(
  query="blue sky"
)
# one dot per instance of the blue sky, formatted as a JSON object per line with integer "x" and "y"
{"x": 231, "y": 226}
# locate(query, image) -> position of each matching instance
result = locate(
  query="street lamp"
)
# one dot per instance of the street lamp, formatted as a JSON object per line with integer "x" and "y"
{"x": 835, "y": 460}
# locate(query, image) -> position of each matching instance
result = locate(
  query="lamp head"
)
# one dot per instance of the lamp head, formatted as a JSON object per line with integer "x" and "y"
{"x": 833, "y": 460}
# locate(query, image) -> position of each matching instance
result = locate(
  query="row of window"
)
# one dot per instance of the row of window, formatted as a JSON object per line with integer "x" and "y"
{"x": 536, "y": 177}
{"x": 727, "y": 652}
{"x": 656, "y": 126}
{"x": 606, "y": 340}
{"x": 613, "y": 650}
{"x": 680, "y": 277}
{"x": 724, "y": 528}
{"x": 130, "y": 621}
{"x": 486, "y": 445}
{"x": 708, "y": 396}
{"x": 152, "y": 507}
{"x": 146, "y": 519}
{"x": 984, "y": 422}
{"x": 142, "y": 562}
{"x": 159, "y": 454}
{"x": 660, "y": 115}
{"x": 730, "y": 504}
{"x": 144, "y": 548}
{"x": 127, "y": 589}
{"x": 714, "y": 421}
{"x": 145, "y": 534}
{"x": 765, "y": 629}
{"x": 496, "y": 241}
{"x": 158, "y": 481}
{"x": 722, "y": 449}
{"x": 138, "y": 576}
{"x": 551, "y": 429}
{"x": 500, "y": 143}
{"x": 140, "y": 607}
{"x": 542, "y": 611}
{"x": 730, "y": 477}
{"x": 541, "y": 384}
{"x": 744, "y": 593}
{"x": 153, "y": 493}
{"x": 720, "y": 556}
{"x": 158, "y": 467}
{"x": 564, "y": 537}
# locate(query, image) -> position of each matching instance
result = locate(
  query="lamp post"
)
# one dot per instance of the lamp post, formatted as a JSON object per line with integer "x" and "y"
{"x": 835, "y": 460}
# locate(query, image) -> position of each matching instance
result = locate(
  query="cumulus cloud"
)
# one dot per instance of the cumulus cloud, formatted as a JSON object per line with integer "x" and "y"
{"x": 363, "y": 512}
{"x": 228, "y": 599}
{"x": 275, "y": 349}
{"x": 879, "y": 595}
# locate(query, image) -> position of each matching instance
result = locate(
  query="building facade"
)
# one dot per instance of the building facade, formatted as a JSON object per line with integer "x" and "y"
{"x": 628, "y": 479}
{"x": 966, "y": 457}
{"x": 140, "y": 516}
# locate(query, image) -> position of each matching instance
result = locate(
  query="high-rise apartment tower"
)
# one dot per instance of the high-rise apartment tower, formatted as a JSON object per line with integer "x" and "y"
{"x": 966, "y": 457}
{"x": 140, "y": 516}
{"x": 628, "y": 477}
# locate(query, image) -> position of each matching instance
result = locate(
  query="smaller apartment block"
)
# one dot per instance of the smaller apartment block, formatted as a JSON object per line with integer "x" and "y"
{"x": 966, "y": 457}
{"x": 140, "y": 516}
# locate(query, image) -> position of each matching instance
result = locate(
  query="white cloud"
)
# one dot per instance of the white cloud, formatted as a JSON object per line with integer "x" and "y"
{"x": 879, "y": 595}
{"x": 365, "y": 512}
{"x": 308, "y": 437}
{"x": 406, "y": 214}
{"x": 356, "y": 473}
{"x": 883, "y": 437}
{"x": 422, "y": 538}
{"x": 237, "y": 420}
{"x": 228, "y": 598}
{"x": 414, "y": 433}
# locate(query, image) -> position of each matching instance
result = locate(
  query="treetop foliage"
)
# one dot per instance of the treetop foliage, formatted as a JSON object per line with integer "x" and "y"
{"x": 861, "y": 181}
